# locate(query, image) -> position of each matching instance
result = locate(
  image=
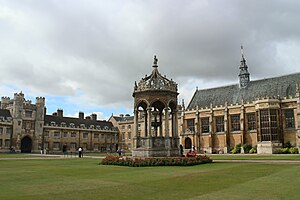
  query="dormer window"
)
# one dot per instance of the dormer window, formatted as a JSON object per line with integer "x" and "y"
{"x": 63, "y": 124}
{"x": 53, "y": 123}
{"x": 92, "y": 126}
{"x": 98, "y": 127}
{"x": 105, "y": 127}
{"x": 82, "y": 125}
{"x": 72, "y": 125}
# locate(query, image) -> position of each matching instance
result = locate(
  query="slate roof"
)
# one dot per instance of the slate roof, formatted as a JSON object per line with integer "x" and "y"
{"x": 282, "y": 86}
{"x": 4, "y": 113}
{"x": 77, "y": 121}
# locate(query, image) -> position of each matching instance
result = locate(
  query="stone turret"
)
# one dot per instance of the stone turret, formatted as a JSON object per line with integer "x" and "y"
{"x": 5, "y": 101}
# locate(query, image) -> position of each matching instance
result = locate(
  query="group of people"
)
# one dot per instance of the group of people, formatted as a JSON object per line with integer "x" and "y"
{"x": 192, "y": 152}
{"x": 65, "y": 151}
{"x": 120, "y": 152}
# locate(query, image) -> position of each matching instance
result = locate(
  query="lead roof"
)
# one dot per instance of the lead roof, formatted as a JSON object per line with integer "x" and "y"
{"x": 278, "y": 87}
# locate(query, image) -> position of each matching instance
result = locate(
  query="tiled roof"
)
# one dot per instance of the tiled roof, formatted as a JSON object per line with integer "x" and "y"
{"x": 282, "y": 86}
{"x": 76, "y": 121}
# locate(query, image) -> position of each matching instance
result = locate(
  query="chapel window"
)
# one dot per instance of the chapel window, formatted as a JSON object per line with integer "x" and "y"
{"x": 289, "y": 118}
{"x": 205, "y": 125}
{"x": 235, "y": 123}
{"x": 220, "y": 124}
{"x": 251, "y": 121}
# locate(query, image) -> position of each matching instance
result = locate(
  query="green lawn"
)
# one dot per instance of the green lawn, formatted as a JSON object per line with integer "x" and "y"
{"x": 85, "y": 179}
{"x": 255, "y": 157}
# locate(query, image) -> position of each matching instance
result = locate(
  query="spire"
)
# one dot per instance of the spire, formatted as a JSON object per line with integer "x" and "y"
{"x": 244, "y": 74}
{"x": 155, "y": 62}
{"x": 242, "y": 52}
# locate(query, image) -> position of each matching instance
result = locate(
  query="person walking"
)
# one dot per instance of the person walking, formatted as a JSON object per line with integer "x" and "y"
{"x": 80, "y": 152}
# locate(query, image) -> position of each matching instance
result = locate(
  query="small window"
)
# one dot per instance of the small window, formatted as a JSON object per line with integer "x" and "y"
{"x": 73, "y": 134}
{"x": 1, "y": 130}
{"x": 85, "y": 135}
{"x": 289, "y": 119}
{"x": 56, "y": 145}
{"x": 96, "y": 135}
{"x": 73, "y": 146}
{"x": 6, "y": 143}
{"x": 28, "y": 113}
{"x": 65, "y": 134}
{"x": 56, "y": 134}
{"x": 129, "y": 136}
{"x": 8, "y": 131}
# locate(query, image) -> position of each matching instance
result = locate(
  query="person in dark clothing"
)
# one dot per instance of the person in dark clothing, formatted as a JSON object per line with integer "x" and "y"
{"x": 80, "y": 152}
{"x": 65, "y": 149}
{"x": 181, "y": 150}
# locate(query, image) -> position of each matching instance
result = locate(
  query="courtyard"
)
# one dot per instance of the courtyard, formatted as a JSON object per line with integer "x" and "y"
{"x": 24, "y": 176}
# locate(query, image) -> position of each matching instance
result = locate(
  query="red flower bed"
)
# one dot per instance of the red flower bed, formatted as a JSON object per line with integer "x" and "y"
{"x": 144, "y": 162}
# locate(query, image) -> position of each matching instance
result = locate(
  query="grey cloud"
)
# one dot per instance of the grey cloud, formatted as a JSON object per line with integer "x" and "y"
{"x": 102, "y": 47}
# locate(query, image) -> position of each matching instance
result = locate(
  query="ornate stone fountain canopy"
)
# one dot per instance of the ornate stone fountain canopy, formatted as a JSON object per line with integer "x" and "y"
{"x": 155, "y": 81}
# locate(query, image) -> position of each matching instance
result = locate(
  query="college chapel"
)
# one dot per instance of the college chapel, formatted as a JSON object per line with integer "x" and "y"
{"x": 264, "y": 114}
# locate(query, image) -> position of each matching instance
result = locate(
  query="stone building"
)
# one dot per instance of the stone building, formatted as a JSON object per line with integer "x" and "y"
{"x": 124, "y": 123}
{"x": 263, "y": 113}
{"x": 25, "y": 127}
{"x": 6, "y": 127}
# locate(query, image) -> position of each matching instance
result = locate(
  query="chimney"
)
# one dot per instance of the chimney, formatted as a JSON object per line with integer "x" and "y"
{"x": 54, "y": 114}
{"x": 81, "y": 115}
{"x": 60, "y": 112}
{"x": 88, "y": 117}
{"x": 94, "y": 117}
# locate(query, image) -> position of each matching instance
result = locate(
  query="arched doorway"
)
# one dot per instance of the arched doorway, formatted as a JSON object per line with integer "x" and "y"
{"x": 188, "y": 143}
{"x": 26, "y": 145}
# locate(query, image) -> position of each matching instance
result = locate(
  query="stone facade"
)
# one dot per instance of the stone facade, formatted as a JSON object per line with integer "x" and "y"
{"x": 262, "y": 113}
{"x": 25, "y": 127}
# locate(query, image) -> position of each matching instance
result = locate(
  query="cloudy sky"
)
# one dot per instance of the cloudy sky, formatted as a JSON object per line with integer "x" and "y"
{"x": 84, "y": 55}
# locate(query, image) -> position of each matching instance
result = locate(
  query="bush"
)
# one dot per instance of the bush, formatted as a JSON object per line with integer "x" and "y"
{"x": 247, "y": 148}
{"x": 287, "y": 145}
{"x": 286, "y": 150}
{"x": 230, "y": 149}
{"x": 253, "y": 150}
{"x": 143, "y": 162}
{"x": 237, "y": 149}
{"x": 294, "y": 150}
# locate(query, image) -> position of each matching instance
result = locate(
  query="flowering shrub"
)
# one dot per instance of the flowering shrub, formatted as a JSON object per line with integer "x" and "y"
{"x": 144, "y": 162}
